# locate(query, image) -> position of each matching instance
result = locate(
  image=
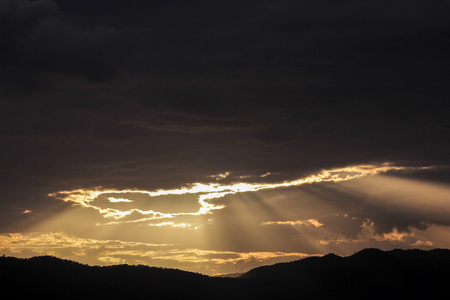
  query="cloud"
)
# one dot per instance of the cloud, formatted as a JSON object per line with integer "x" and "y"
{"x": 107, "y": 252}
{"x": 208, "y": 192}
{"x": 422, "y": 243}
{"x": 366, "y": 235}
{"x": 174, "y": 225}
{"x": 310, "y": 222}
{"x": 396, "y": 202}
{"x": 117, "y": 200}
{"x": 94, "y": 54}
{"x": 220, "y": 176}
{"x": 38, "y": 38}
{"x": 227, "y": 37}
{"x": 21, "y": 16}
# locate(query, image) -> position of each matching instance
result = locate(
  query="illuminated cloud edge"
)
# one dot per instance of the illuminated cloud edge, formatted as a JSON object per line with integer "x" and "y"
{"x": 210, "y": 191}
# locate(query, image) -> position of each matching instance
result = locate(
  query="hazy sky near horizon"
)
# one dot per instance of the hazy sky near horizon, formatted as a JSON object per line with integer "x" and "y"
{"x": 217, "y": 136}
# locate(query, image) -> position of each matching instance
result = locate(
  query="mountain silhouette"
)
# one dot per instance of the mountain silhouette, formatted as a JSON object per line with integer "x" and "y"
{"x": 368, "y": 274}
{"x": 48, "y": 277}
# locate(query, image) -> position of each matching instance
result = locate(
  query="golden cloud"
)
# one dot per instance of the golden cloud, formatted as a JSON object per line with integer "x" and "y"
{"x": 206, "y": 192}
{"x": 107, "y": 252}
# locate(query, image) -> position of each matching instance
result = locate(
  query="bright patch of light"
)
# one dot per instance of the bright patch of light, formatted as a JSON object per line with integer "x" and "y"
{"x": 210, "y": 191}
{"x": 310, "y": 222}
{"x": 107, "y": 252}
{"x": 172, "y": 224}
{"x": 220, "y": 176}
{"x": 423, "y": 243}
{"x": 116, "y": 200}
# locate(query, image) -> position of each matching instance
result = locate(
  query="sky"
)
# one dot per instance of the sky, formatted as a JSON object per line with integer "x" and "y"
{"x": 218, "y": 136}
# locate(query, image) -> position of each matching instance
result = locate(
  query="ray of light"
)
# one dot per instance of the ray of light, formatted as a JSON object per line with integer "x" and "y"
{"x": 210, "y": 191}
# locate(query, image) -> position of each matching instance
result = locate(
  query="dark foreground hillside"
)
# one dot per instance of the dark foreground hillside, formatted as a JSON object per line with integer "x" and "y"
{"x": 52, "y": 278}
{"x": 369, "y": 274}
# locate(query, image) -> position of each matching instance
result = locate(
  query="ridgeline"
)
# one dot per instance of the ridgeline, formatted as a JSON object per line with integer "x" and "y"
{"x": 368, "y": 274}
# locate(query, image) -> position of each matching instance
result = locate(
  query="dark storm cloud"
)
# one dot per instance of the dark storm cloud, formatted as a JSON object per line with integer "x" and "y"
{"x": 38, "y": 39}
{"x": 153, "y": 94}
{"x": 225, "y": 58}
{"x": 292, "y": 37}
{"x": 21, "y": 16}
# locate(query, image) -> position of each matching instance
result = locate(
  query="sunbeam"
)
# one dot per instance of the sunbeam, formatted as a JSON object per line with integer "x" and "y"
{"x": 207, "y": 192}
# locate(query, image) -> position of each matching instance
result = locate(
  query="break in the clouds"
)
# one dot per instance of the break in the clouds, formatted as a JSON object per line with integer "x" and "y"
{"x": 206, "y": 193}
{"x": 224, "y": 126}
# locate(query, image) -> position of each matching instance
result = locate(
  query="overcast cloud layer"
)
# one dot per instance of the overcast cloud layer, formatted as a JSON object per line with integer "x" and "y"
{"x": 158, "y": 95}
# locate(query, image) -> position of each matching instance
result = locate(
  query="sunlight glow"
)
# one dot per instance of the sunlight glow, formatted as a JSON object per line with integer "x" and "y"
{"x": 107, "y": 252}
{"x": 258, "y": 225}
{"x": 175, "y": 225}
{"x": 116, "y": 200}
{"x": 220, "y": 176}
{"x": 310, "y": 222}
{"x": 423, "y": 243}
{"x": 209, "y": 191}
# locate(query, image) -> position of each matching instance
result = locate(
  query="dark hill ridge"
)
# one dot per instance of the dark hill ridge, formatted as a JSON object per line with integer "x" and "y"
{"x": 368, "y": 274}
{"x": 47, "y": 277}
{"x": 371, "y": 261}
